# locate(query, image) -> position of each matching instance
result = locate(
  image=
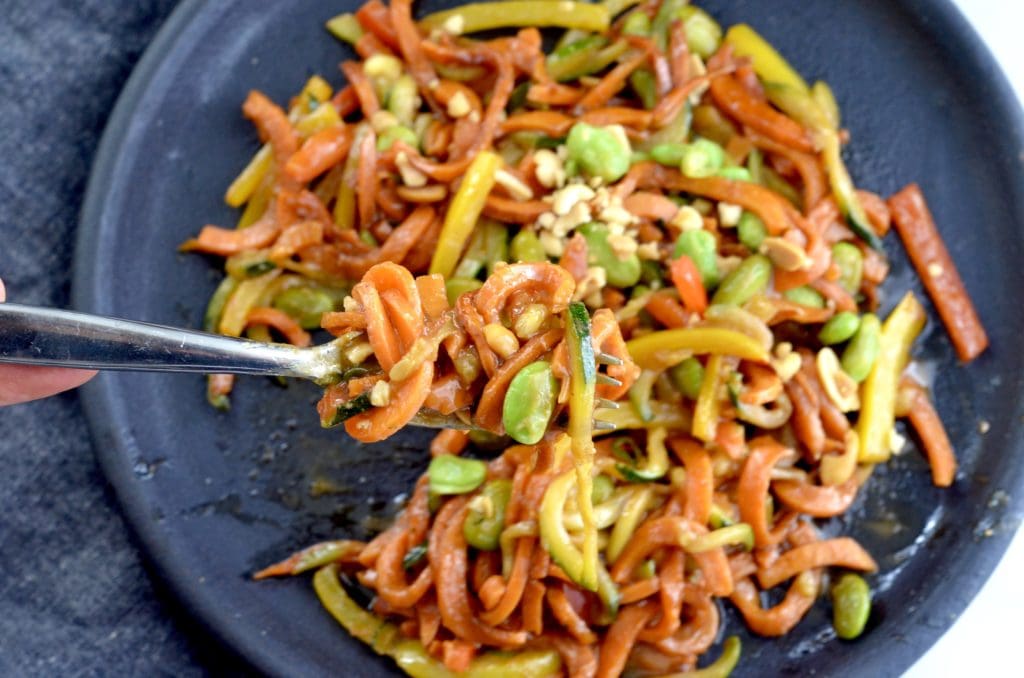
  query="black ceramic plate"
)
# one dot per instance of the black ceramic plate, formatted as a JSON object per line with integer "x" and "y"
{"x": 214, "y": 496}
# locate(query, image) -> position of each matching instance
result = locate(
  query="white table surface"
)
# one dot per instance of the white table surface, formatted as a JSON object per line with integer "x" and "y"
{"x": 985, "y": 640}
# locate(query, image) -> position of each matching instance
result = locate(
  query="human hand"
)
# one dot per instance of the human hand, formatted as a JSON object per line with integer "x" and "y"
{"x": 21, "y": 383}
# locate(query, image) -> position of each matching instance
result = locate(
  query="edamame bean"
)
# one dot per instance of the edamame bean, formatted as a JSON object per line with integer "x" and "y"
{"x": 620, "y": 272}
{"x": 455, "y": 475}
{"x": 839, "y": 328}
{"x": 397, "y": 133}
{"x": 526, "y": 247}
{"x": 735, "y": 173}
{"x": 456, "y": 287}
{"x": 750, "y": 278}
{"x": 703, "y": 34}
{"x": 668, "y": 154}
{"x": 305, "y": 305}
{"x": 861, "y": 352}
{"x": 688, "y": 377}
{"x": 751, "y": 231}
{"x": 850, "y": 261}
{"x": 805, "y": 296}
{"x": 529, "y": 403}
{"x": 637, "y": 23}
{"x": 702, "y": 158}
{"x": 602, "y": 489}
{"x": 598, "y": 152}
{"x": 851, "y": 606}
{"x": 701, "y": 247}
{"x": 482, "y": 528}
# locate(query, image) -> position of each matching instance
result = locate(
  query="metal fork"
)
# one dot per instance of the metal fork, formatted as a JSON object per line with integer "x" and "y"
{"x": 34, "y": 335}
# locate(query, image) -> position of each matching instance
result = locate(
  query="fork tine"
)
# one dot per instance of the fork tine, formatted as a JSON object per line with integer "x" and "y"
{"x": 603, "y": 425}
{"x": 608, "y": 359}
{"x": 607, "y": 404}
{"x": 608, "y": 381}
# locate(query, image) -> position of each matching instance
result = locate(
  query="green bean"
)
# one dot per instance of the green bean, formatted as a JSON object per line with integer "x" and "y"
{"x": 526, "y": 247}
{"x": 404, "y": 99}
{"x": 751, "y": 277}
{"x": 620, "y": 272}
{"x": 735, "y": 174}
{"x": 482, "y": 528}
{"x": 688, "y": 377}
{"x": 668, "y": 154}
{"x": 529, "y": 403}
{"x": 703, "y": 34}
{"x": 702, "y": 158}
{"x": 455, "y": 475}
{"x": 305, "y": 305}
{"x": 602, "y": 489}
{"x": 755, "y": 163}
{"x": 702, "y": 249}
{"x": 396, "y": 133}
{"x": 643, "y": 83}
{"x": 850, "y": 261}
{"x": 751, "y": 231}
{"x": 839, "y": 328}
{"x": 805, "y": 296}
{"x": 667, "y": 13}
{"x": 598, "y": 152}
{"x": 862, "y": 351}
{"x": 851, "y": 606}
{"x": 456, "y": 287}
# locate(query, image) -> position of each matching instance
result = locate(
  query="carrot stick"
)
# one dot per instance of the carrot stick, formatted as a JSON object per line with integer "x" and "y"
{"x": 840, "y": 552}
{"x": 273, "y": 125}
{"x": 448, "y": 441}
{"x": 819, "y": 501}
{"x": 928, "y": 425}
{"x": 614, "y": 81}
{"x": 375, "y": 18}
{"x": 319, "y": 153}
{"x": 733, "y": 98}
{"x": 928, "y": 253}
{"x": 567, "y": 616}
{"x": 667, "y": 311}
{"x": 686, "y": 279}
{"x": 648, "y": 205}
{"x": 224, "y": 242}
{"x": 752, "y": 490}
{"x": 619, "y": 640}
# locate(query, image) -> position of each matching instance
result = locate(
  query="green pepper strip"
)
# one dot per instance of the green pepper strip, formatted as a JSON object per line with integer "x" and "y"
{"x": 582, "y": 383}
{"x": 706, "y": 411}
{"x": 659, "y": 350}
{"x": 593, "y": 58}
{"x": 878, "y": 409}
{"x": 739, "y": 533}
{"x": 485, "y": 16}
{"x": 310, "y": 557}
{"x": 410, "y": 654}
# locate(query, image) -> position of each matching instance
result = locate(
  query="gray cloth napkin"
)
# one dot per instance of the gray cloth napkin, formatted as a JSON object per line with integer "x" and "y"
{"x": 75, "y": 594}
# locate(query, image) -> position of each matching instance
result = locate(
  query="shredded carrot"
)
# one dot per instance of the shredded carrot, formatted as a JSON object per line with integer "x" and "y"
{"x": 928, "y": 253}
{"x": 841, "y": 552}
{"x": 282, "y": 322}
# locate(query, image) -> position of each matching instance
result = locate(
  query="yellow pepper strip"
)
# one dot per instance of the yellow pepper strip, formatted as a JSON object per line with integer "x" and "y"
{"x": 660, "y": 350}
{"x": 484, "y": 16}
{"x": 258, "y": 202}
{"x": 582, "y": 384}
{"x": 316, "y": 90}
{"x": 410, "y": 654}
{"x": 722, "y": 667}
{"x": 320, "y": 119}
{"x": 878, "y": 412}
{"x": 631, "y": 516}
{"x": 769, "y": 65}
{"x": 345, "y": 205}
{"x": 464, "y": 212}
{"x": 665, "y": 415}
{"x": 249, "y": 178}
{"x": 705, "y": 413}
{"x": 244, "y": 299}
{"x": 345, "y": 27}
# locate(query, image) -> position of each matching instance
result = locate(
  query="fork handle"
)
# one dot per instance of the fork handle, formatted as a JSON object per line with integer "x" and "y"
{"x": 46, "y": 336}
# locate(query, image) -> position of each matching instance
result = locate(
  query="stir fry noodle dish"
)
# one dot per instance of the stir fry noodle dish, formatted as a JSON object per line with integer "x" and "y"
{"x": 612, "y": 253}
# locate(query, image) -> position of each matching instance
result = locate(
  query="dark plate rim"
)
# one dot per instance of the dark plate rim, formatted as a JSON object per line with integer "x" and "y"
{"x": 944, "y": 22}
